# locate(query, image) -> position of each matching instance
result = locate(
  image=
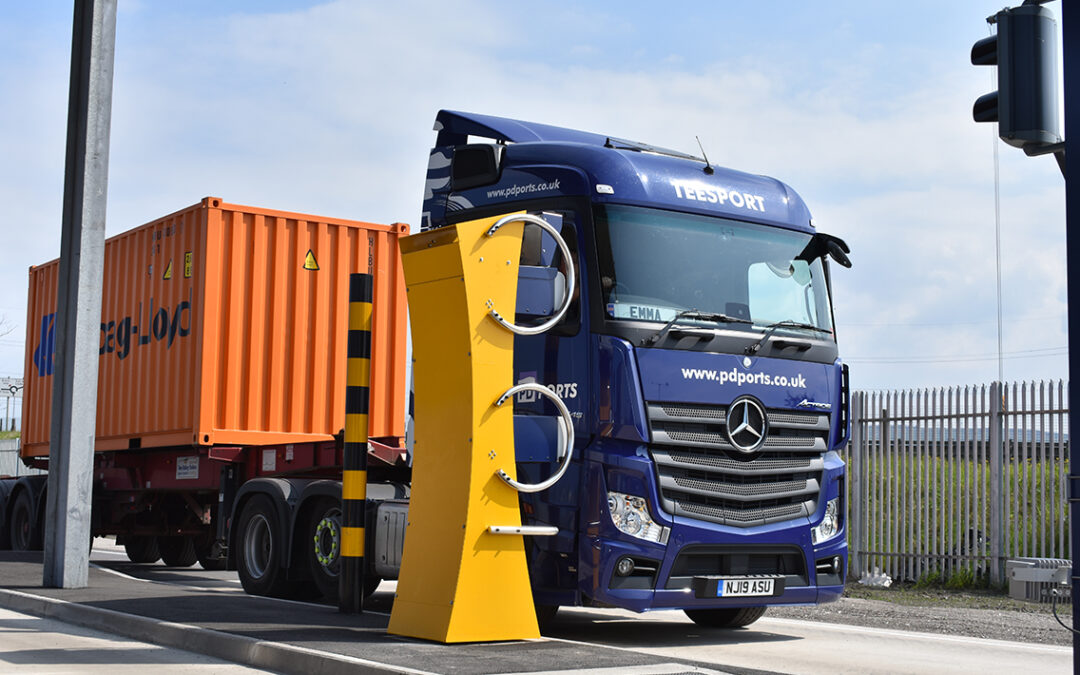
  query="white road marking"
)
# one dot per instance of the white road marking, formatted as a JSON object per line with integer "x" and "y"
{"x": 658, "y": 669}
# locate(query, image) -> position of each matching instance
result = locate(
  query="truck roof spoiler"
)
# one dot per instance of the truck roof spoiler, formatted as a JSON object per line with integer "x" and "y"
{"x": 455, "y": 128}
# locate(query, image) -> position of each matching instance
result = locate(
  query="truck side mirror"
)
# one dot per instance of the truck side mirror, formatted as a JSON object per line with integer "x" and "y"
{"x": 838, "y": 251}
{"x": 825, "y": 244}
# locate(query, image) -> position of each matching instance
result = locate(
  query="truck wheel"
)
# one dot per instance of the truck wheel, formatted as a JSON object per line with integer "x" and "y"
{"x": 203, "y": 551}
{"x": 726, "y": 617}
{"x": 322, "y": 545}
{"x": 258, "y": 560}
{"x": 177, "y": 551}
{"x": 142, "y": 549}
{"x": 545, "y": 615}
{"x": 371, "y": 583}
{"x": 25, "y": 534}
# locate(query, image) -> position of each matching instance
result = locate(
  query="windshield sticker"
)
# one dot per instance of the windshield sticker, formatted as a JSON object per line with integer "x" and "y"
{"x": 739, "y": 378}
{"x": 700, "y": 192}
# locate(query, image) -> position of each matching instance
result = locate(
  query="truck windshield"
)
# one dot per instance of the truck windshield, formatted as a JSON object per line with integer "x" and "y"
{"x": 655, "y": 264}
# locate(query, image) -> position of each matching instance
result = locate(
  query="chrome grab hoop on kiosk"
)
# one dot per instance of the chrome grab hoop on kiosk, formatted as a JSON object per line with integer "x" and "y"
{"x": 569, "y": 278}
{"x": 564, "y": 451}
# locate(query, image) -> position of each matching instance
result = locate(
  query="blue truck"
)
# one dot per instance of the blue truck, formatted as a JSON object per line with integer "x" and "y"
{"x": 697, "y": 359}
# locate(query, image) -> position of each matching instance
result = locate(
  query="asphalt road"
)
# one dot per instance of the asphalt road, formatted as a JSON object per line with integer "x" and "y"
{"x": 773, "y": 645}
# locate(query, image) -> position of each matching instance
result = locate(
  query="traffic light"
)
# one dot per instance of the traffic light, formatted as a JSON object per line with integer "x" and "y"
{"x": 1025, "y": 53}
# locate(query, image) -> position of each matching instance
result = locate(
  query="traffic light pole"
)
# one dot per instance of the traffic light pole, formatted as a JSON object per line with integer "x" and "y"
{"x": 1071, "y": 49}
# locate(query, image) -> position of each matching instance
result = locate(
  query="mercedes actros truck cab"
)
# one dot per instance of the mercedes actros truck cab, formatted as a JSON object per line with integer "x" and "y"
{"x": 697, "y": 358}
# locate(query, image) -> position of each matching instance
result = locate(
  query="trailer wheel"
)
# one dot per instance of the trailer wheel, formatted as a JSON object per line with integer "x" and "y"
{"x": 736, "y": 617}
{"x": 258, "y": 562}
{"x": 142, "y": 549}
{"x": 25, "y": 533}
{"x": 177, "y": 551}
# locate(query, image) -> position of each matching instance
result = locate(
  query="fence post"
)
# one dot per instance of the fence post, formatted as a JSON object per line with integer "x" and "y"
{"x": 855, "y": 487}
{"x": 997, "y": 464}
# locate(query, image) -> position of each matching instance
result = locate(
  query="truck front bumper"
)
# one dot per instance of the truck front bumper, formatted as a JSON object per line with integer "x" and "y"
{"x": 671, "y": 578}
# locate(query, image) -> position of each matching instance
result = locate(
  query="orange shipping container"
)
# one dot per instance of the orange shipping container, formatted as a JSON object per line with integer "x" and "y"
{"x": 225, "y": 324}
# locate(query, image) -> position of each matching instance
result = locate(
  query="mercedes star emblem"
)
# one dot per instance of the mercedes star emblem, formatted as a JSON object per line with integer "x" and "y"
{"x": 747, "y": 424}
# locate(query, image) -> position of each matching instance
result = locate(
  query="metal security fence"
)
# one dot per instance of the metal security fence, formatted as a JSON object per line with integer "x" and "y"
{"x": 960, "y": 478}
{"x": 10, "y": 464}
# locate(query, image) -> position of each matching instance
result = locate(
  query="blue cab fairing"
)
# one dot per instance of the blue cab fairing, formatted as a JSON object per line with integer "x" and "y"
{"x": 626, "y": 398}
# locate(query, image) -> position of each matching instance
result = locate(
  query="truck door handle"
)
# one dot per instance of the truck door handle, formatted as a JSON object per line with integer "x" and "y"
{"x": 564, "y": 453}
{"x": 569, "y": 278}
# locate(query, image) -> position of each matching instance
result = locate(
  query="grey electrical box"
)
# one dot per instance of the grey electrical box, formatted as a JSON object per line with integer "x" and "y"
{"x": 1035, "y": 579}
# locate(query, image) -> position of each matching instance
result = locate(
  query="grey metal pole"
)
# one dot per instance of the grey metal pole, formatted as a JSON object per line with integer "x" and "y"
{"x": 1070, "y": 26}
{"x": 78, "y": 304}
{"x": 856, "y": 467}
{"x": 997, "y": 467}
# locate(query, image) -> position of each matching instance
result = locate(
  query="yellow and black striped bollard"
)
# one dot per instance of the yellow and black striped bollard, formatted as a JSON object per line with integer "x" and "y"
{"x": 354, "y": 475}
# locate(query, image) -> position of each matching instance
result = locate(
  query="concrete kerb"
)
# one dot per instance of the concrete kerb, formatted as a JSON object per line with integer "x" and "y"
{"x": 241, "y": 649}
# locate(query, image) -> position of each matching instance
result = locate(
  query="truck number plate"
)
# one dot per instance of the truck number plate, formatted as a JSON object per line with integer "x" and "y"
{"x": 732, "y": 588}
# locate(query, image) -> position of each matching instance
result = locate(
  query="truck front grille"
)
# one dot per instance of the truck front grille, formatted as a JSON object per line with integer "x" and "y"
{"x": 702, "y": 475}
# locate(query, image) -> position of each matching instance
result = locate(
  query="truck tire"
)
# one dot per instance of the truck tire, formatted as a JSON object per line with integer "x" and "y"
{"x": 322, "y": 546}
{"x": 322, "y": 550}
{"x": 25, "y": 533}
{"x": 142, "y": 549}
{"x": 204, "y": 547}
{"x": 258, "y": 560}
{"x": 736, "y": 617}
{"x": 177, "y": 551}
{"x": 545, "y": 615}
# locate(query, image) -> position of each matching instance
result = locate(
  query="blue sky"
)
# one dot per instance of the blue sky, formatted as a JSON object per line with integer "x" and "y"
{"x": 327, "y": 107}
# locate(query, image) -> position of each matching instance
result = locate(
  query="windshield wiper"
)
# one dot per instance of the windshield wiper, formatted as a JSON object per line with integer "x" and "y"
{"x": 772, "y": 327}
{"x": 692, "y": 314}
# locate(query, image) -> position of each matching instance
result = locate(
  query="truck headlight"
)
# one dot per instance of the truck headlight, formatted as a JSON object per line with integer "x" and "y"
{"x": 830, "y": 524}
{"x": 631, "y": 515}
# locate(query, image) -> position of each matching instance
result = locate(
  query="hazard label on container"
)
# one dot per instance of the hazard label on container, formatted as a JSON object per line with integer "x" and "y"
{"x": 187, "y": 264}
{"x": 168, "y": 271}
{"x": 310, "y": 262}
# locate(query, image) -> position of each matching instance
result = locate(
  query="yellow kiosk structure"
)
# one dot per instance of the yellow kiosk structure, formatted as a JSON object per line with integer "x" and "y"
{"x": 464, "y": 576}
